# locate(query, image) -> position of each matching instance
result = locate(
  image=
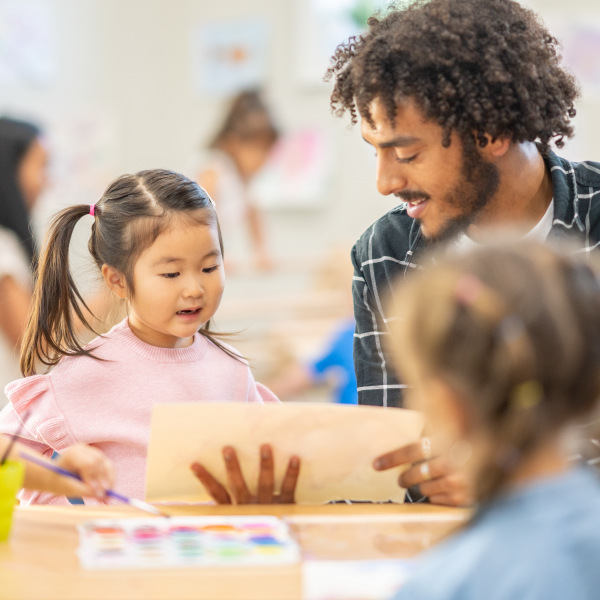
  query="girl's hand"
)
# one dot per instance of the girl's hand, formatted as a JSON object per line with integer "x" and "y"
{"x": 94, "y": 468}
{"x": 238, "y": 490}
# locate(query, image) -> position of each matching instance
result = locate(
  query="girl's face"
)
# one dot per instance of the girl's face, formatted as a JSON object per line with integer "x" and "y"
{"x": 250, "y": 156}
{"x": 179, "y": 281}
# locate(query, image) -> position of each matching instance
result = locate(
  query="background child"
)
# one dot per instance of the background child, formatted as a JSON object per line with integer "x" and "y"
{"x": 156, "y": 239}
{"x": 335, "y": 360}
{"x": 326, "y": 371}
{"x": 95, "y": 470}
{"x": 503, "y": 346}
{"x": 238, "y": 151}
{"x": 23, "y": 177}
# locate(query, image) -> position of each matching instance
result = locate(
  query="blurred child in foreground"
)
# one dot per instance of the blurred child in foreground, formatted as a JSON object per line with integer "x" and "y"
{"x": 503, "y": 348}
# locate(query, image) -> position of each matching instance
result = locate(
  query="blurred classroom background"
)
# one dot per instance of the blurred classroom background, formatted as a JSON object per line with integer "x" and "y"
{"x": 124, "y": 85}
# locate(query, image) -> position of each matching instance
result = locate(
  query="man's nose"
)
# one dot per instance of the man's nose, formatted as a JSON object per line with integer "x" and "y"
{"x": 390, "y": 178}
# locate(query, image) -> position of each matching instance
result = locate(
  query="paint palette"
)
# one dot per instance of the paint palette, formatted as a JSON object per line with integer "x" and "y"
{"x": 185, "y": 542}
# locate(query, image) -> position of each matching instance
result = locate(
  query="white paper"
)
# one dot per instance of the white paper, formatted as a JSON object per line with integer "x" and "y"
{"x": 353, "y": 579}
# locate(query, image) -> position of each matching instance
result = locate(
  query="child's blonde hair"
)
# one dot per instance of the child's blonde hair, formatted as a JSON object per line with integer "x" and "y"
{"x": 514, "y": 330}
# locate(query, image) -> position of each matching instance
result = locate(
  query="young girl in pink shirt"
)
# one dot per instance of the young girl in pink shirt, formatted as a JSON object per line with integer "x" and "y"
{"x": 156, "y": 240}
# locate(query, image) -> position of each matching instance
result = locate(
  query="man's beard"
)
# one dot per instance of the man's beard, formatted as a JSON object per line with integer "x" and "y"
{"x": 479, "y": 182}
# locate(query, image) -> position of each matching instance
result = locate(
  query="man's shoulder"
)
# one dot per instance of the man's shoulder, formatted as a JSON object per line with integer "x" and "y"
{"x": 388, "y": 236}
{"x": 576, "y": 195}
{"x": 587, "y": 176}
{"x": 587, "y": 173}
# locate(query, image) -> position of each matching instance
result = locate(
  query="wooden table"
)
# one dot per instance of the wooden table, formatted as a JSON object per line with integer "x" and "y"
{"x": 39, "y": 561}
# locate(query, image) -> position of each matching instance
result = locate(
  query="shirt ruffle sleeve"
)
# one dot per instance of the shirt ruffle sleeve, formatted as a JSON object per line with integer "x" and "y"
{"x": 33, "y": 401}
{"x": 265, "y": 394}
{"x": 31, "y": 497}
{"x": 257, "y": 392}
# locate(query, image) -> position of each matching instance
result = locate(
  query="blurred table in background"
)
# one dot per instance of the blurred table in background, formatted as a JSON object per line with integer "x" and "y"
{"x": 286, "y": 315}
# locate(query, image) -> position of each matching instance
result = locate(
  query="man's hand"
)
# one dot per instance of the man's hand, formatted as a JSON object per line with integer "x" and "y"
{"x": 435, "y": 477}
{"x": 238, "y": 490}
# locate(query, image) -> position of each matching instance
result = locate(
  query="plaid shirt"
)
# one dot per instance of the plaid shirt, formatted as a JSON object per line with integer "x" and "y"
{"x": 393, "y": 246}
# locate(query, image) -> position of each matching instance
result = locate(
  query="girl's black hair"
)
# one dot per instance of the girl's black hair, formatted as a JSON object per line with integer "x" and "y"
{"x": 133, "y": 211}
{"x": 15, "y": 139}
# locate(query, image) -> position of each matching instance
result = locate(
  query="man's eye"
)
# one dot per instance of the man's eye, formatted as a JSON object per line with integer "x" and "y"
{"x": 406, "y": 160}
{"x": 170, "y": 275}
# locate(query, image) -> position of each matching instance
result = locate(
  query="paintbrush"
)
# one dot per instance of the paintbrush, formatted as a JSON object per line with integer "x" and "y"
{"x": 145, "y": 506}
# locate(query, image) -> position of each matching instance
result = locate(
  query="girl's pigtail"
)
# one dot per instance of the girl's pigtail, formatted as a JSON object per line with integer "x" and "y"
{"x": 515, "y": 434}
{"x": 510, "y": 391}
{"x": 51, "y": 333}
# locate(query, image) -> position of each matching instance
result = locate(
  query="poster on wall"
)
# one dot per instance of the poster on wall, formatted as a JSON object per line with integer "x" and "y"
{"x": 85, "y": 150}
{"x": 28, "y": 43}
{"x": 297, "y": 172}
{"x": 229, "y": 56}
{"x": 321, "y": 25}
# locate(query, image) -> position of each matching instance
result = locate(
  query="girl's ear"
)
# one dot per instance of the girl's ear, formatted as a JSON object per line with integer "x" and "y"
{"x": 115, "y": 281}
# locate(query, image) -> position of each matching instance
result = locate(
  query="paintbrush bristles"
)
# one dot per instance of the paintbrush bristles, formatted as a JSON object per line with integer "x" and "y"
{"x": 147, "y": 507}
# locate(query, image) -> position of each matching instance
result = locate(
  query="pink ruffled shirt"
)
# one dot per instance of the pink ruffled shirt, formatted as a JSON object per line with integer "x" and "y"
{"x": 108, "y": 403}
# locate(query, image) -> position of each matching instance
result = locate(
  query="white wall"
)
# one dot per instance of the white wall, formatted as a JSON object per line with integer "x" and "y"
{"x": 129, "y": 61}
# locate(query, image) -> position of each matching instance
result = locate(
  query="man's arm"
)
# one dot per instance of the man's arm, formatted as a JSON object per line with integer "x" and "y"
{"x": 377, "y": 384}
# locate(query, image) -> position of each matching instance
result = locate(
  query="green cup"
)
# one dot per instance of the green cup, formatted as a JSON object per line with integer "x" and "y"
{"x": 11, "y": 481}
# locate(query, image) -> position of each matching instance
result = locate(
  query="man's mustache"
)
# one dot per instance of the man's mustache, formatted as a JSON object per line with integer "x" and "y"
{"x": 411, "y": 196}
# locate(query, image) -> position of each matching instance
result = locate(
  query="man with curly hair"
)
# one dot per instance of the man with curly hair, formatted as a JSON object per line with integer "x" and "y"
{"x": 461, "y": 100}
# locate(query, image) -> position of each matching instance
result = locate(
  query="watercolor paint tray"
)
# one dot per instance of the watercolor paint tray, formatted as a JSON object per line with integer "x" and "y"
{"x": 187, "y": 542}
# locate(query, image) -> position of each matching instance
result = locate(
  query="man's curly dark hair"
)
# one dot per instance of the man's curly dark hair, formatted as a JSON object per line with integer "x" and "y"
{"x": 473, "y": 66}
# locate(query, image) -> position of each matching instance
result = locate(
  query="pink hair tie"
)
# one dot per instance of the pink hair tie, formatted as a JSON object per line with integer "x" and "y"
{"x": 92, "y": 209}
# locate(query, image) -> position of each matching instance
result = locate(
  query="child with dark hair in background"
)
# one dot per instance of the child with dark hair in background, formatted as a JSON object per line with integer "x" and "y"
{"x": 238, "y": 151}
{"x": 156, "y": 239}
{"x": 502, "y": 346}
{"x": 23, "y": 164}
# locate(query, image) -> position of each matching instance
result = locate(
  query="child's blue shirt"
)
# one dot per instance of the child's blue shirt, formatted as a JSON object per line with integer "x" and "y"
{"x": 541, "y": 542}
{"x": 338, "y": 357}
